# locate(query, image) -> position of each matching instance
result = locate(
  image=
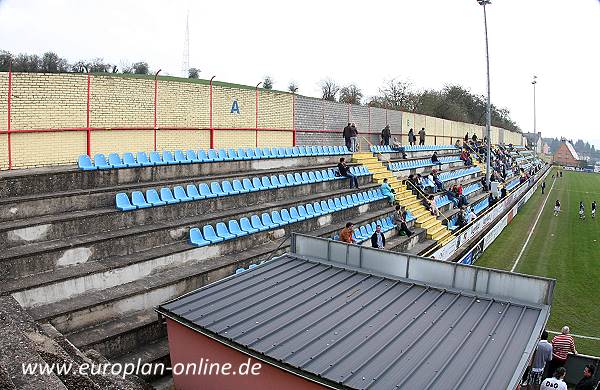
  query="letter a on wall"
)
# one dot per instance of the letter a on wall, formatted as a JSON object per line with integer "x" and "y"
{"x": 235, "y": 108}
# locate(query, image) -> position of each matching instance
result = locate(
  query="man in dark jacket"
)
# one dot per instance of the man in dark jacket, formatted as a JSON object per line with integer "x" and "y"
{"x": 411, "y": 137}
{"x": 347, "y": 136}
{"x": 587, "y": 382}
{"x": 422, "y": 136}
{"x": 378, "y": 239}
{"x": 386, "y": 134}
{"x": 353, "y": 138}
{"x": 344, "y": 170}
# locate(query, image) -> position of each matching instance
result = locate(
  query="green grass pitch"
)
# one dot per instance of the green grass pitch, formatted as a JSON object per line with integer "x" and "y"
{"x": 564, "y": 248}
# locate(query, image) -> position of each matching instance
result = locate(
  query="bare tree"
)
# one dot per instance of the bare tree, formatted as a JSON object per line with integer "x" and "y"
{"x": 267, "y": 83}
{"x": 293, "y": 87}
{"x": 397, "y": 94}
{"x": 351, "y": 94}
{"x": 329, "y": 89}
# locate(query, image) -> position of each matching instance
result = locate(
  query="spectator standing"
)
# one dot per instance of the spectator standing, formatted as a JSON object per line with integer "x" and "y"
{"x": 587, "y": 382}
{"x": 344, "y": 170}
{"x": 378, "y": 239}
{"x": 594, "y": 209}
{"x": 346, "y": 235}
{"x": 354, "y": 138}
{"x": 503, "y": 193}
{"x": 386, "y": 134}
{"x": 422, "y": 136}
{"x": 348, "y": 136}
{"x": 474, "y": 138}
{"x": 562, "y": 344}
{"x": 543, "y": 186}
{"x": 461, "y": 219}
{"x": 388, "y": 191}
{"x": 556, "y": 208}
{"x": 411, "y": 137}
{"x": 543, "y": 354}
{"x": 466, "y": 137}
{"x": 581, "y": 210}
{"x": 399, "y": 219}
{"x": 471, "y": 216}
{"x": 556, "y": 381}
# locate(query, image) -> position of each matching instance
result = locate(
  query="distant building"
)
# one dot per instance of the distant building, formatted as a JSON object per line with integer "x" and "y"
{"x": 546, "y": 148}
{"x": 534, "y": 141}
{"x": 566, "y": 154}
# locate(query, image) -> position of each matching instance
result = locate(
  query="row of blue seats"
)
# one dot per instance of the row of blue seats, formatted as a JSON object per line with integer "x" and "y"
{"x": 234, "y": 229}
{"x": 480, "y": 206}
{"x": 446, "y": 176}
{"x": 408, "y": 148}
{"x": 225, "y": 188}
{"x": 512, "y": 184}
{"x": 426, "y": 162}
{"x": 212, "y": 155}
{"x": 443, "y": 200}
{"x": 364, "y": 233}
{"x": 241, "y": 269}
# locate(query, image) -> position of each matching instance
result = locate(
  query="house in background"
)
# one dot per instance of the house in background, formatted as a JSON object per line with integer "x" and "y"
{"x": 566, "y": 154}
{"x": 534, "y": 141}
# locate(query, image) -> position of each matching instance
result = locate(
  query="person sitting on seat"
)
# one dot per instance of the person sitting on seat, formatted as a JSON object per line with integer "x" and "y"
{"x": 452, "y": 197}
{"x": 436, "y": 160}
{"x": 397, "y": 146}
{"x": 399, "y": 219}
{"x": 344, "y": 170}
{"x": 388, "y": 191}
{"x": 346, "y": 235}
{"x": 431, "y": 206}
{"x": 436, "y": 180}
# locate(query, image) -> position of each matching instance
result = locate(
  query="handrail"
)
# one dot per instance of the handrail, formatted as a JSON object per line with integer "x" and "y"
{"x": 425, "y": 195}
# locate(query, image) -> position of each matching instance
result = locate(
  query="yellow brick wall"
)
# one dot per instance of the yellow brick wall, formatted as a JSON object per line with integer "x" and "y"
{"x": 223, "y": 98}
{"x": 275, "y": 138}
{"x": 40, "y": 149}
{"x": 43, "y": 100}
{"x": 3, "y": 152}
{"x": 181, "y": 104}
{"x": 120, "y": 141}
{"x": 235, "y": 139}
{"x": 182, "y": 139}
{"x": 3, "y": 102}
{"x": 275, "y": 110}
{"x": 121, "y": 102}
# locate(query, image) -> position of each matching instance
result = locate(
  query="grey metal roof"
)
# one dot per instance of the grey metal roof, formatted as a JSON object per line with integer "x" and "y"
{"x": 347, "y": 327}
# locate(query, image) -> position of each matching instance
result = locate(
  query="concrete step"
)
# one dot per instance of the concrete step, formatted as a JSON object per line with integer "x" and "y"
{"x": 436, "y": 229}
{"x": 164, "y": 383}
{"x": 38, "y": 257}
{"x": 403, "y": 244}
{"x": 157, "y": 352}
{"x": 441, "y": 235}
{"x": 422, "y": 247}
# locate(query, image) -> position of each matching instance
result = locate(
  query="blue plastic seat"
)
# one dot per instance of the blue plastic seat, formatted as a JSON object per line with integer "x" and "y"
{"x": 289, "y": 152}
{"x": 167, "y": 196}
{"x": 302, "y": 212}
{"x": 85, "y": 163}
{"x": 192, "y": 192}
{"x": 234, "y": 228}
{"x": 205, "y": 191}
{"x": 241, "y": 154}
{"x": 232, "y": 154}
{"x": 355, "y": 200}
{"x": 294, "y": 214}
{"x": 318, "y": 209}
{"x": 344, "y": 202}
{"x": 216, "y": 189}
{"x": 281, "y": 153}
{"x": 332, "y": 175}
{"x": 267, "y": 183}
{"x": 100, "y": 162}
{"x": 203, "y": 156}
{"x": 283, "y": 181}
{"x": 223, "y": 232}
{"x": 325, "y": 207}
{"x": 318, "y": 176}
{"x": 295, "y": 152}
{"x": 325, "y": 175}
{"x": 248, "y": 186}
{"x": 266, "y": 153}
{"x": 251, "y": 155}
{"x": 138, "y": 200}
{"x": 332, "y": 206}
{"x": 257, "y": 223}
{"x": 180, "y": 194}
{"x": 285, "y": 215}
{"x": 369, "y": 230}
{"x": 311, "y": 177}
{"x": 153, "y": 198}
{"x": 298, "y": 178}
{"x": 180, "y": 157}
{"x": 276, "y": 218}
{"x": 302, "y": 151}
{"x": 191, "y": 156}
{"x": 123, "y": 203}
{"x": 209, "y": 234}
{"x": 156, "y": 158}
{"x": 129, "y": 160}
{"x": 305, "y": 178}
{"x": 338, "y": 204}
{"x": 197, "y": 239}
{"x": 246, "y": 226}
{"x": 213, "y": 155}
{"x": 223, "y": 155}
{"x": 228, "y": 189}
{"x": 291, "y": 180}
{"x": 310, "y": 210}
{"x": 168, "y": 158}
{"x": 265, "y": 218}
{"x": 237, "y": 186}
{"x": 275, "y": 182}
{"x": 115, "y": 161}
{"x": 256, "y": 183}
{"x": 258, "y": 153}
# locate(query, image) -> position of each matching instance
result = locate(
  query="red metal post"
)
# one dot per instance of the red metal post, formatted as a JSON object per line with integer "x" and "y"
{"x": 256, "y": 114}
{"x": 87, "y": 118}
{"x": 212, "y": 129}
{"x": 293, "y": 119}
{"x": 8, "y": 115}
{"x": 155, "y": 99}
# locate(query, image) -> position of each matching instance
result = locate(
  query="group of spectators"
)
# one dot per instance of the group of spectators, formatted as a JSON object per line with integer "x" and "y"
{"x": 350, "y": 135}
{"x": 547, "y": 368}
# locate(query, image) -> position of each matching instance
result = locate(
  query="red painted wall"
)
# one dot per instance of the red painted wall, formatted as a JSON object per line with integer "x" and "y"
{"x": 563, "y": 156}
{"x": 189, "y": 346}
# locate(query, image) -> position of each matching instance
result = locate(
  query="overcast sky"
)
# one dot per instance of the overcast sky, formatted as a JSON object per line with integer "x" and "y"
{"x": 429, "y": 42}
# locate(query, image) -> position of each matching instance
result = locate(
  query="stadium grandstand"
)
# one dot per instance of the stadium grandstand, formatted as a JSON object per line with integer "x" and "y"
{"x": 220, "y": 231}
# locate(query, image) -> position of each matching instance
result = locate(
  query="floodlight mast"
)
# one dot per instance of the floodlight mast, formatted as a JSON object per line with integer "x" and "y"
{"x": 488, "y": 122}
